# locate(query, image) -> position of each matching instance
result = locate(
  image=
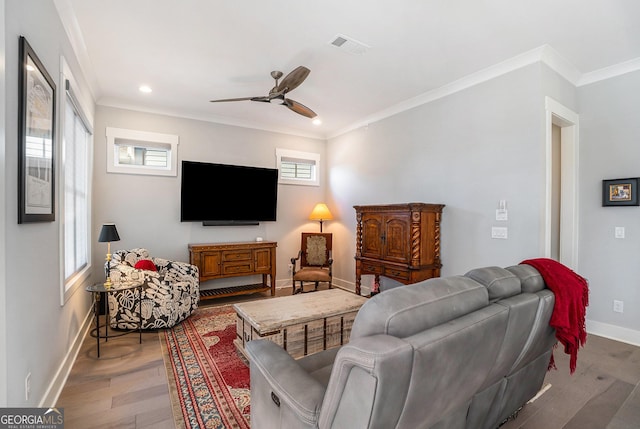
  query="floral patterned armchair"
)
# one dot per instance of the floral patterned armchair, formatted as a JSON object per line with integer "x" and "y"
{"x": 170, "y": 293}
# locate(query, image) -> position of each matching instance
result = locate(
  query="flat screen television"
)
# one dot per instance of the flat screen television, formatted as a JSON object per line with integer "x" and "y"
{"x": 222, "y": 194}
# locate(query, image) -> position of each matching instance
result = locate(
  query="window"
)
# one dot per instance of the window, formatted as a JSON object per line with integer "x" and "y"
{"x": 76, "y": 183}
{"x": 150, "y": 157}
{"x": 298, "y": 168}
{"x": 141, "y": 152}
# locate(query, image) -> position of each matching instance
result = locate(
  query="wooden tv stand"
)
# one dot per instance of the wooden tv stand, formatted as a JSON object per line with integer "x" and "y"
{"x": 224, "y": 260}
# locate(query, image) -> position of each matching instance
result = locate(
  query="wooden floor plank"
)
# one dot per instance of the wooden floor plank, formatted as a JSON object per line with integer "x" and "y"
{"x": 601, "y": 408}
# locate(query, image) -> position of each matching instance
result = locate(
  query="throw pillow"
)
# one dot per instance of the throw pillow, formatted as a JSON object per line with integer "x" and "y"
{"x": 145, "y": 264}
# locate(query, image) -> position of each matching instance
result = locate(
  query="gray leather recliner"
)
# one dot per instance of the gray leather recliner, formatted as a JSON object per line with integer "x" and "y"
{"x": 455, "y": 352}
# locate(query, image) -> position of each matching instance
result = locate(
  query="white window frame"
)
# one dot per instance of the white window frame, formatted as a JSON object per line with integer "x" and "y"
{"x": 68, "y": 286}
{"x": 312, "y": 158}
{"x": 143, "y": 139}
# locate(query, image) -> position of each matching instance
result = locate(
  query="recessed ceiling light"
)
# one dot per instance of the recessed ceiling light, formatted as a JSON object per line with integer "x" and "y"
{"x": 145, "y": 88}
{"x": 317, "y": 121}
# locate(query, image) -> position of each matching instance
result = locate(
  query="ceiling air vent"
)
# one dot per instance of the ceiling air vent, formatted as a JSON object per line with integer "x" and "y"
{"x": 349, "y": 45}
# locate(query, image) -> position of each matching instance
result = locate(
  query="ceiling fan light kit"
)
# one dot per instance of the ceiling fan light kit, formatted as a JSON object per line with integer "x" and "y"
{"x": 278, "y": 92}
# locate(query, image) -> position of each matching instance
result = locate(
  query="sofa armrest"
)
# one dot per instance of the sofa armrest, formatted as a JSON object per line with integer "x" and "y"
{"x": 372, "y": 375}
{"x": 283, "y": 394}
{"x": 177, "y": 268}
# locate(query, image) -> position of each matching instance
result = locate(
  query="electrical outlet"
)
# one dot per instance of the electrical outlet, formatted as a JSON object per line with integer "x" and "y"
{"x": 27, "y": 387}
{"x": 499, "y": 232}
{"x": 290, "y": 268}
{"x": 618, "y": 306}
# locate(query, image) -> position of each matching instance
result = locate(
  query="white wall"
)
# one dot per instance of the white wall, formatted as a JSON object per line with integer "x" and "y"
{"x": 610, "y": 149}
{"x": 39, "y": 332}
{"x": 146, "y": 209}
{"x": 467, "y": 151}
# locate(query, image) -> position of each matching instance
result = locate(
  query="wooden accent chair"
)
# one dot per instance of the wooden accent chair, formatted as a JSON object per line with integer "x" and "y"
{"x": 314, "y": 261}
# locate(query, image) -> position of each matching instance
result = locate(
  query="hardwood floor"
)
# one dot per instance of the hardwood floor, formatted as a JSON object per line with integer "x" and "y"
{"x": 604, "y": 392}
{"x": 127, "y": 387}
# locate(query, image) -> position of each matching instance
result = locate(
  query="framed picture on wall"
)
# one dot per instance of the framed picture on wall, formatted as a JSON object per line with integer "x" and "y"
{"x": 36, "y": 139}
{"x": 620, "y": 192}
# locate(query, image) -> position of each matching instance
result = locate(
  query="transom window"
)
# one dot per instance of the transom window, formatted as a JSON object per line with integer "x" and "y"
{"x": 147, "y": 156}
{"x": 298, "y": 168}
{"x": 141, "y": 152}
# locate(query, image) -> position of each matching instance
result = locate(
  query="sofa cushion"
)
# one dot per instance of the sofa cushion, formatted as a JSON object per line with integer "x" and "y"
{"x": 410, "y": 309}
{"x": 499, "y": 282}
{"x": 312, "y": 274}
{"x": 145, "y": 264}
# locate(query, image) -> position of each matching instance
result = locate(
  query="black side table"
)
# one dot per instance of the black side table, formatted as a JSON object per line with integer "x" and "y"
{"x": 98, "y": 289}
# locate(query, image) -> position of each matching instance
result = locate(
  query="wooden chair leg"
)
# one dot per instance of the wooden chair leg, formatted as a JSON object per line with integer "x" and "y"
{"x": 299, "y": 290}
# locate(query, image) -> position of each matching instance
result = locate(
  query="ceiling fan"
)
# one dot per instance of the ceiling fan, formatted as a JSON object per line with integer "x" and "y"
{"x": 279, "y": 91}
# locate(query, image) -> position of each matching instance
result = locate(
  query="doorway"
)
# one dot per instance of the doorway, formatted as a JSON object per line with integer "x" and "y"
{"x": 561, "y": 204}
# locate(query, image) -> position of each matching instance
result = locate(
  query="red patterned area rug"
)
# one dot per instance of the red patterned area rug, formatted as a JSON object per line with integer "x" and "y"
{"x": 208, "y": 380}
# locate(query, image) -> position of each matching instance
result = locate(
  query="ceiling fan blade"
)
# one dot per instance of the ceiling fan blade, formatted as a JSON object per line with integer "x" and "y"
{"x": 233, "y": 99}
{"x": 293, "y": 79}
{"x": 299, "y": 108}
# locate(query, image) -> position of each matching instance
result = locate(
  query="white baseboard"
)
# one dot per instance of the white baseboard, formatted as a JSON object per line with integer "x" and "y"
{"x": 52, "y": 394}
{"x": 283, "y": 283}
{"x": 349, "y": 286}
{"x": 613, "y": 332}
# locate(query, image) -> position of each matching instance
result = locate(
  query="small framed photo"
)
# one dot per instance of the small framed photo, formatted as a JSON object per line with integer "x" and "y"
{"x": 620, "y": 192}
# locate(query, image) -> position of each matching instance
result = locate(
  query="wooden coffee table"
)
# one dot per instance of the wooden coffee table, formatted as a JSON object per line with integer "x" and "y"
{"x": 301, "y": 324}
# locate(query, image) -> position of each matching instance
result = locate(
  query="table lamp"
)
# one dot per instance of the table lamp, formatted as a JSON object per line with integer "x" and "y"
{"x": 108, "y": 233}
{"x": 321, "y": 213}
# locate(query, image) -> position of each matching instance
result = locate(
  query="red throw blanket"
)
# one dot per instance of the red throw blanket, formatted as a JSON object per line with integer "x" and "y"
{"x": 572, "y": 298}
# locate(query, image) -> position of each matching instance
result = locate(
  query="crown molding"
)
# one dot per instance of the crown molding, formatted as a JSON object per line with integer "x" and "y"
{"x": 609, "y": 72}
{"x": 72, "y": 28}
{"x": 560, "y": 64}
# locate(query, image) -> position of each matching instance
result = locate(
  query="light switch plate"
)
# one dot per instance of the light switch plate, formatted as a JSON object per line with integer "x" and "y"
{"x": 619, "y": 232}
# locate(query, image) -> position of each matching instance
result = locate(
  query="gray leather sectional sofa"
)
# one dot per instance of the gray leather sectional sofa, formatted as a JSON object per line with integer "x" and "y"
{"x": 454, "y": 352}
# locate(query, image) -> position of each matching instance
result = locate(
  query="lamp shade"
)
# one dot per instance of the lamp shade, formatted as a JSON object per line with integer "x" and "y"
{"x": 320, "y": 212}
{"x": 108, "y": 233}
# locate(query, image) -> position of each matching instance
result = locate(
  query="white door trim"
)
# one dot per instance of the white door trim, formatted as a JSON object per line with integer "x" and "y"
{"x": 556, "y": 113}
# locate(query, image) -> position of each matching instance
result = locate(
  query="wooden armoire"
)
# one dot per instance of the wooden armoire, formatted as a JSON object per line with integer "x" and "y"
{"x": 398, "y": 241}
